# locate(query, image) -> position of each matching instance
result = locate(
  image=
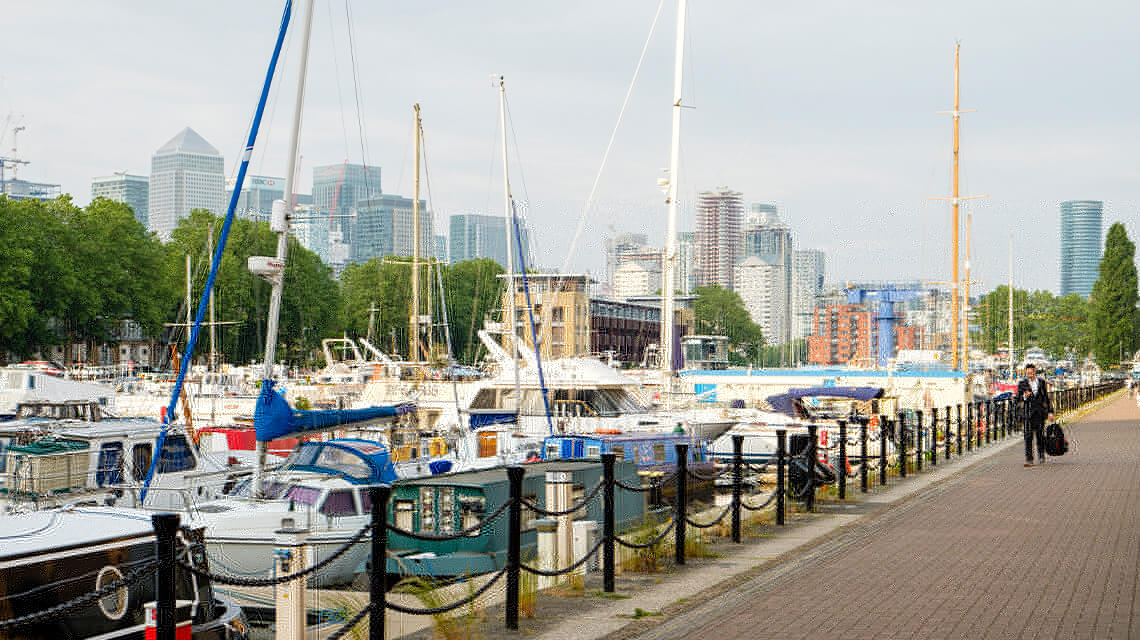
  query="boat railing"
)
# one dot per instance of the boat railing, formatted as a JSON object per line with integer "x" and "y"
{"x": 573, "y": 408}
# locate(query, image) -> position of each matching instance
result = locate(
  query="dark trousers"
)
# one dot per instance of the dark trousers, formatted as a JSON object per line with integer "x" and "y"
{"x": 1035, "y": 428}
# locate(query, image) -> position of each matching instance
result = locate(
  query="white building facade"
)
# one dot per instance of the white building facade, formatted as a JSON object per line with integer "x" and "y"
{"x": 186, "y": 173}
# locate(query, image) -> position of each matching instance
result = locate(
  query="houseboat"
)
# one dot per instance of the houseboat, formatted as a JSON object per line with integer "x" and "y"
{"x": 52, "y": 557}
{"x": 652, "y": 452}
{"x": 453, "y": 502}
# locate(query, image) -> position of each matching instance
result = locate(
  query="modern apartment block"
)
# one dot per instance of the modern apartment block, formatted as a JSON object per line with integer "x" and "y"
{"x": 807, "y": 283}
{"x": 718, "y": 238}
{"x": 761, "y": 284}
{"x": 768, "y": 238}
{"x": 843, "y": 334}
{"x": 132, "y": 190}
{"x": 186, "y": 173}
{"x": 385, "y": 227}
{"x": 1082, "y": 233}
{"x": 473, "y": 235}
{"x": 561, "y": 306}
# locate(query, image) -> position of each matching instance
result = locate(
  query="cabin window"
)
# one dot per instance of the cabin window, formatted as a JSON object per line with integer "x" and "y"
{"x": 619, "y": 451}
{"x": 659, "y": 452}
{"x": 339, "y": 503}
{"x": 488, "y": 444}
{"x": 471, "y": 510}
{"x": 528, "y": 516}
{"x": 298, "y": 494}
{"x": 341, "y": 461}
{"x": 427, "y": 509}
{"x": 446, "y": 510}
{"x": 405, "y": 511}
{"x": 110, "y": 470}
{"x": 140, "y": 461}
{"x": 176, "y": 455}
{"x": 552, "y": 450}
{"x": 593, "y": 451}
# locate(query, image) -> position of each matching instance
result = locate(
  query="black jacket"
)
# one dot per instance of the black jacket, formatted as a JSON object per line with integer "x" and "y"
{"x": 1039, "y": 403}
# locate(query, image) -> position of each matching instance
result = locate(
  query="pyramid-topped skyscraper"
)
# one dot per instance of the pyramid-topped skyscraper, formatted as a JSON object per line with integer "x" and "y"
{"x": 185, "y": 173}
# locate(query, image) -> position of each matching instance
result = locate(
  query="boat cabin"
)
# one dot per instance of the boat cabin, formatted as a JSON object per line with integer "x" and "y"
{"x": 650, "y": 451}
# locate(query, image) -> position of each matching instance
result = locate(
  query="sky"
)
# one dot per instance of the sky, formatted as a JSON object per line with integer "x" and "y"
{"x": 827, "y": 109}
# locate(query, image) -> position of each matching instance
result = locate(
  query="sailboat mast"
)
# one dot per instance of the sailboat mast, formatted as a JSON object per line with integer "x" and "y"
{"x": 668, "y": 268}
{"x": 1011, "y": 306}
{"x": 414, "y": 319}
{"x": 954, "y": 221}
{"x": 283, "y": 230}
{"x": 213, "y": 344}
{"x": 966, "y": 303}
{"x": 509, "y": 226}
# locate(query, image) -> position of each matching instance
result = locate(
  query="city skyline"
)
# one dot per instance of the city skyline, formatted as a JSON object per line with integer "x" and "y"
{"x": 833, "y": 120}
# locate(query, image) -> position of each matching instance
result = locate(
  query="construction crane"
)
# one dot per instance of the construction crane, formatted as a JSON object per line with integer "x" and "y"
{"x": 885, "y": 314}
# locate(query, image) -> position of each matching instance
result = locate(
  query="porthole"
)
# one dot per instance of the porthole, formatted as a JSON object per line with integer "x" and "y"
{"x": 114, "y": 604}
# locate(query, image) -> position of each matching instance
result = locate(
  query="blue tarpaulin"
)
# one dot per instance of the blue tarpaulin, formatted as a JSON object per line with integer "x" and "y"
{"x": 273, "y": 417}
{"x": 784, "y": 402}
{"x": 480, "y": 419}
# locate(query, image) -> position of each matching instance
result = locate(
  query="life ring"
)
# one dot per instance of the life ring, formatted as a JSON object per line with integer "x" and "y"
{"x": 611, "y": 431}
{"x": 874, "y": 421}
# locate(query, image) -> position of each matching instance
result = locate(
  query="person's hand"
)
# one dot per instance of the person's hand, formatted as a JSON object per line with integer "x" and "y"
{"x": 1050, "y": 418}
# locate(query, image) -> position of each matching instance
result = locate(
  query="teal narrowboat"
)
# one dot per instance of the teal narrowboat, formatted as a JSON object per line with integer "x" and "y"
{"x": 446, "y": 503}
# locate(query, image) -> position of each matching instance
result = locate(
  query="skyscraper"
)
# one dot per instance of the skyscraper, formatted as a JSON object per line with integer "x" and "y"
{"x": 384, "y": 227}
{"x": 124, "y": 187}
{"x": 761, "y": 284}
{"x": 337, "y": 188}
{"x": 686, "y": 261}
{"x": 807, "y": 283}
{"x": 1082, "y": 232}
{"x": 767, "y": 237}
{"x": 185, "y": 173}
{"x": 617, "y": 245}
{"x": 255, "y": 202}
{"x": 474, "y": 235}
{"x": 719, "y": 242}
{"x": 312, "y": 230}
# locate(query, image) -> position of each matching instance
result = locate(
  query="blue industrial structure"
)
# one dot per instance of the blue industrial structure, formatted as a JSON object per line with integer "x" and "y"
{"x": 885, "y": 315}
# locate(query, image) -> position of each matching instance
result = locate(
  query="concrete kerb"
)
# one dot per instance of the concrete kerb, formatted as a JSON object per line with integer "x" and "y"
{"x": 752, "y": 565}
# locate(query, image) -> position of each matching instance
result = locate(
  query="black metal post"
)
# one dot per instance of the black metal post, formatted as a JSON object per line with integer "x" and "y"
{"x": 682, "y": 502}
{"x": 901, "y": 430}
{"x": 809, "y": 499}
{"x": 781, "y": 455}
{"x": 958, "y": 435}
{"x": 990, "y": 421}
{"x": 514, "y": 545}
{"x": 841, "y": 473}
{"x": 737, "y": 482}
{"x": 919, "y": 444}
{"x": 978, "y": 419}
{"x": 883, "y": 439}
{"x": 934, "y": 436}
{"x": 165, "y": 528}
{"x": 379, "y": 496}
{"x": 863, "y": 457}
{"x": 969, "y": 426}
{"x": 608, "y": 522}
{"x": 946, "y": 433}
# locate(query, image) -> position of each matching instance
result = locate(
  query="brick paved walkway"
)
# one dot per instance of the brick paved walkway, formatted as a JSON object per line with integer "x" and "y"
{"x": 1000, "y": 551}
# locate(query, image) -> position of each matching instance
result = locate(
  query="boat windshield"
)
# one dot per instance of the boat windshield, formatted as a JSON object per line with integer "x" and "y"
{"x": 605, "y": 402}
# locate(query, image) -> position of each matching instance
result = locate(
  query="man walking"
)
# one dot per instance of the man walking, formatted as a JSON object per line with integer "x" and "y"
{"x": 1032, "y": 391}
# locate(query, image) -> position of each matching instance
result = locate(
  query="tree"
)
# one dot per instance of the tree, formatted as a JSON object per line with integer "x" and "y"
{"x": 474, "y": 291}
{"x": 722, "y": 312}
{"x": 1113, "y": 316}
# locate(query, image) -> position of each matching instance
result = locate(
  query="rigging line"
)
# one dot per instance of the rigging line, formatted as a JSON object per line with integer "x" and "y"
{"x": 359, "y": 101}
{"x": 609, "y": 145}
{"x": 336, "y": 75}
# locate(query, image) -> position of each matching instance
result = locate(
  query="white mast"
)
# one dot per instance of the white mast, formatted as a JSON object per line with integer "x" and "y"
{"x": 414, "y": 335}
{"x": 280, "y": 224}
{"x": 672, "y": 182}
{"x": 510, "y": 319}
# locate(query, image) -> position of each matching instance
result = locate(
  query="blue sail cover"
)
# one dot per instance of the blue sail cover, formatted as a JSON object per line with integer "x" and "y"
{"x": 479, "y": 419}
{"x": 784, "y": 402}
{"x": 273, "y": 417}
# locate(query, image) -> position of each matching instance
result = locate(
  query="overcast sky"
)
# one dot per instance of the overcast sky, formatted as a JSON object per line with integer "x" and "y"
{"x": 825, "y": 108}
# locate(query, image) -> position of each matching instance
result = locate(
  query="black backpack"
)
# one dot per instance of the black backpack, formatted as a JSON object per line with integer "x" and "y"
{"x": 1055, "y": 442}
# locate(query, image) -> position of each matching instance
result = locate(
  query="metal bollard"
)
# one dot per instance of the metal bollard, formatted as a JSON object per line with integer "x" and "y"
{"x": 682, "y": 502}
{"x": 934, "y": 436}
{"x": 737, "y": 483}
{"x": 841, "y": 472}
{"x": 863, "y": 457}
{"x": 883, "y": 449}
{"x": 901, "y": 430}
{"x": 165, "y": 528}
{"x": 809, "y": 501}
{"x": 781, "y": 453}
{"x": 990, "y": 421}
{"x": 376, "y": 579}
{"x": 978, "y": 415}
{"x": 969, "y": 426}
{"x": 514, "y": 546}
{"x": 919, "y": 445}
{"x": 608, "y": 522}
{"x": 958, "y": 431}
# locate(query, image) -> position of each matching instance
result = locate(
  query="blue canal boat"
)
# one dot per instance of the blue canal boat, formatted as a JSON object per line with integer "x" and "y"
{"x": 652, "y": 452}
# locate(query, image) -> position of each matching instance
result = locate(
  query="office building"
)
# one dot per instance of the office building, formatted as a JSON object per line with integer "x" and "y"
{"x": 761, "y": 285}
{"x": 472, "y": 236}
{"x": 719, "y": 239}
{"x": 255, "y": 202}
{"x": 312, "y": 230}
{"x": 338, "y": 188}
{"x": 384, "y": 227}
{"x": 186, "y": 173}
{"x": 807, "y": 283}
{"x": 768, "y": 238}
{"x": 1082, "y": 233}
{"x": 617, "y": 245}
{"x": 123, "y": 187}
{"x": 441, "y": 249}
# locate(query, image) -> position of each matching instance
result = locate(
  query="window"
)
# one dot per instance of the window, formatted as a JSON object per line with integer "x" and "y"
{"x": 140, "y": 461}
{"x": 659, "y": 452}
{"x": 556, "y": 314}
{"x": 405, "y": 511}
{"x": 593, "y": 451}
{"x": 427, "y": 509}
{"x": 339, "y": 503}
{"x": 176, "y": 455}
{"x": 298, "y": 494}
{"x": 446, "y": 510}
{"x": 110, "y": 470}
{"x": 471, "y": 510}
{"x": 552, "y": 451}
{"x": 488, "y": 444}
{"x": 619, "y": 451}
